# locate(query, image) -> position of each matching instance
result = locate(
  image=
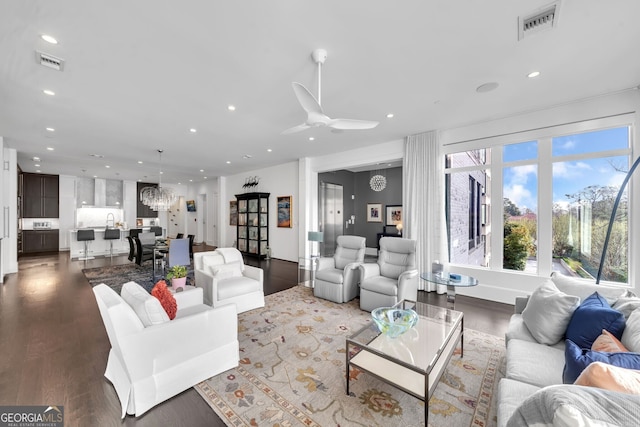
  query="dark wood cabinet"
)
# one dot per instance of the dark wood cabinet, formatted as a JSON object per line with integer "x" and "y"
{"x": 144, "y": 211}
{"x": 41, "y": 194}
{"x": 253, "y": 224}
{"x": 40, "y": 241}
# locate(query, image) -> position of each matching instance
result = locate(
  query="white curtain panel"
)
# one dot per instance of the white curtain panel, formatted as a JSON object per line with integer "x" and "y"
{"x": 423, "y": 202}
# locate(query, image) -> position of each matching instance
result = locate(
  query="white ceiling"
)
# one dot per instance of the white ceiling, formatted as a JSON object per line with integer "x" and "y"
{"x": 139, "y": 74}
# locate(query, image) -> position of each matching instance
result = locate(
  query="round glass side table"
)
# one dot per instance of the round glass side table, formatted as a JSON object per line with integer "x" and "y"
{"x": 451, "y": 281}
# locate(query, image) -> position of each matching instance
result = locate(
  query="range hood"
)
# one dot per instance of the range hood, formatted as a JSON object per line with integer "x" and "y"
{"x": 99, "y": 193}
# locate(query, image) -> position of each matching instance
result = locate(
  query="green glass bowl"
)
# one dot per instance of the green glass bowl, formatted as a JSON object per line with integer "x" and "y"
{"x": 394, "y": 321}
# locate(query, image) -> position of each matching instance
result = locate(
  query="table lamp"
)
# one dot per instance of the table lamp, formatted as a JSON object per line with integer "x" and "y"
{"x": 314, "y": 236}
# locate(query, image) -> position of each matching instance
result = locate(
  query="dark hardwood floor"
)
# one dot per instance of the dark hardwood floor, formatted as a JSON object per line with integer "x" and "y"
{"x": 53, "y": 345}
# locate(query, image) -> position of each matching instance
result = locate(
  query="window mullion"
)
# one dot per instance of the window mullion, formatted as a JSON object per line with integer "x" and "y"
{"x": 496, "y": 212}
{"x": 545, "y": 207}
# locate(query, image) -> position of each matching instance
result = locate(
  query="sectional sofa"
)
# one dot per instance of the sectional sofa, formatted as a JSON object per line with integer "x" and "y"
{"x": 540, "y": 387}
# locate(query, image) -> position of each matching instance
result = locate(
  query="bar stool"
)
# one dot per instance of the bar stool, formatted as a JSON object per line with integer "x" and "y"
{"x": 86, "y": 236}
{"x": 111, "y": 234}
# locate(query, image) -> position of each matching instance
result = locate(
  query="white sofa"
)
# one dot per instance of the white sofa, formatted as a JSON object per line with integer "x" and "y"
{"x": 225, "y": 279}
{"x": 153, "y": 358}
{"x": 533, "y": 393}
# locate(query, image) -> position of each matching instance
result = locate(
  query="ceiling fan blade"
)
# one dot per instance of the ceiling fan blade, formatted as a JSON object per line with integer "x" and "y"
{"x": 351, "y": 124}
{"x": 295, "y": 129}
{"x": 306, "y": 99}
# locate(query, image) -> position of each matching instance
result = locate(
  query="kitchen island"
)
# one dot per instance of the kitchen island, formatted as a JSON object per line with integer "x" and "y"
{"x": 100, "y": 246}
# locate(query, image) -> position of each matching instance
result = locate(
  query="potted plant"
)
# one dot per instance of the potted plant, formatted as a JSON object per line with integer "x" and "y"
{"x": 178, "y": 276}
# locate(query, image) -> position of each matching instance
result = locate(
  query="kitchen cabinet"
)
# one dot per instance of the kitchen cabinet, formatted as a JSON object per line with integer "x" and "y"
{"x": 40, "y": 196}
{"x": 253, "y": 224}
{"x": 40, "y": 241}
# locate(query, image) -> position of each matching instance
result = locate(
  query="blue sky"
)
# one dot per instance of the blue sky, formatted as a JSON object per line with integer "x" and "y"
{"x": 569, "y": 177}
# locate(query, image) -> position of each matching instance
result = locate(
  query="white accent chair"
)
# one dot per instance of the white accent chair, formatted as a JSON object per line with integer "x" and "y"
{"x": 225, "y": 279}
{"x": 393, "y": 278}
{"x": 153, "y": 358}
{"x": 337, "y": 277}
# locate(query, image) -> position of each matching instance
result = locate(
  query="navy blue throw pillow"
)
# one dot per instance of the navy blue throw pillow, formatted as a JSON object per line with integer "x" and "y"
{"x": 590, "y": 318}
{"x": 577, "y": 359}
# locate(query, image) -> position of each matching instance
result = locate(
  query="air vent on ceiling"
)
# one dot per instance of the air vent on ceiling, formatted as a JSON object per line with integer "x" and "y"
{"x": 49, "y": 61}
{"x": 540, "y": 20}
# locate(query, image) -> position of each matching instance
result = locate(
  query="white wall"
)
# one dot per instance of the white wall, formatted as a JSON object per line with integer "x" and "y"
{"x": 281, "y": 180}
{"x": 504, "y": 286}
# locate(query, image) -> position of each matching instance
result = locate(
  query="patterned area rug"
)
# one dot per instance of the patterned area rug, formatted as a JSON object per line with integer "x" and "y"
{"x": 292, "y": 372}
{"x": 116, "y": 275}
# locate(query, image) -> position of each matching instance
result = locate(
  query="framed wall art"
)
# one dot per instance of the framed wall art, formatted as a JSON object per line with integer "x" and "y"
{"x": 393, "y": 214}
{"x": 284, "y": 211}
{"x": 374, "y": 212}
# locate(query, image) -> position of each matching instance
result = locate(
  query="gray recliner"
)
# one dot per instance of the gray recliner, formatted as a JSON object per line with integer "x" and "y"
{"x": 337, "y": 277}
{"x": 393, "y": 278}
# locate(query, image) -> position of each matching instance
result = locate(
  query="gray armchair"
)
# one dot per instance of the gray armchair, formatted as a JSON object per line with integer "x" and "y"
{"x": 393, "y": 278}
{"x": 337, "y": 277}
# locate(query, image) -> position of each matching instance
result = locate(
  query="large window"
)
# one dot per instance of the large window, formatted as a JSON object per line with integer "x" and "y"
{"x": 557, "y": 188}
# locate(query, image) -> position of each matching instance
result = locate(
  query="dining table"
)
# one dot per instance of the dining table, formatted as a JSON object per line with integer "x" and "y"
{"x": 160, "y": 248}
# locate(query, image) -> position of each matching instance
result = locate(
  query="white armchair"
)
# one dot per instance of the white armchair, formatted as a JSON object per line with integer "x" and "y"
{"x": 393, "y": 278}
{"x": 225, "y": 279}
{"x": 153, "y": 358}
{"x": 337, "y": 277}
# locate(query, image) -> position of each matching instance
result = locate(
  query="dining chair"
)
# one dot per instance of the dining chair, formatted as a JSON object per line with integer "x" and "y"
{"x": 132, "y": 248}
{"x": 191, "y": 237}
{"x": 179, "y": 236}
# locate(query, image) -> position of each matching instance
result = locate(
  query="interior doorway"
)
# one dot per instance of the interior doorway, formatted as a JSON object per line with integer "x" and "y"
{"x": 331, "y": 216}
{"x": 201, "y": 229}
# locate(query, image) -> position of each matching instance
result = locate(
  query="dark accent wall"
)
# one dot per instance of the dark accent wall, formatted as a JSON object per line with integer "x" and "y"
{"x": 357, "y": 184}
{"x": 391, "y": 195}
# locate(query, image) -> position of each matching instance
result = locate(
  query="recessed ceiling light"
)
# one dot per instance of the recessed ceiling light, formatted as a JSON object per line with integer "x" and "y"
{"x": 95, "y": 176}
{"x": 140, "y": 162}
{"x": 228, "y": 162}
{"x": 204, "y": 177}
{"x": 192, "y": 130}
{"x": 38, "y": 170}
{"x": 50, "y": 148}
{"x": 37, "y": 165}
{"x": 311, "y": 138}
{"x": 107, "y": 166}
{"x": 231, "y": 107}
{"x": 49, "y": 92}
{"x": 51, "y": 129}
{"x": 390, "y": 115}
{"x": 49, "y": 39}
{"x": 533, "y": 74}
{"x": 487, "y": 87}
{"x": 36, "y": 159}
{"x": 247, "y": 156}
{"x": 269, "y": 150}
{"x": 97, "y": 156}
{"x": 201, "y": 170}
{"x": 190, "y": 180}
{"x": 179, "y": 183}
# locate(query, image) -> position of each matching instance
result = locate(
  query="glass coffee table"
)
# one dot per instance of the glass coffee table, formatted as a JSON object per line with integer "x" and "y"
{"x": 414, "y": 361}
{"x": 451, "y": 281}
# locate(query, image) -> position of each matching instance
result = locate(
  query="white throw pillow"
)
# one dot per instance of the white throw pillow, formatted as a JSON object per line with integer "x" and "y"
{"x": 631, "y": 335}
{"x": 627, "y": 305}
{"x": 146, "y": 306}
{"x": 225, "y": 271}
{"x": 548, "y": 313}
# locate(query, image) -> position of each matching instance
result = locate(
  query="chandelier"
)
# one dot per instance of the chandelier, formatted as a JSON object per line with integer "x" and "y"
{"x": 158, "y": 198}
{"x": 378, "y": 182}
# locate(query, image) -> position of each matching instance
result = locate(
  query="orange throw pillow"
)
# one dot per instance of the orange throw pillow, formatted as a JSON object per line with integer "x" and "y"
{"x": 167, "y": 300}
{"x": 607, "y": 343}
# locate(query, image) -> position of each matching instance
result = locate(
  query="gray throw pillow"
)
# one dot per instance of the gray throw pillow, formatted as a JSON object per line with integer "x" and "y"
{"x": 631, "y": 335}
{"x": 548, "y": 313}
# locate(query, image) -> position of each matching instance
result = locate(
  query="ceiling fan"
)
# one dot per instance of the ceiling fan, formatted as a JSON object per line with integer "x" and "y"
{"x": 315, "y": 116}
